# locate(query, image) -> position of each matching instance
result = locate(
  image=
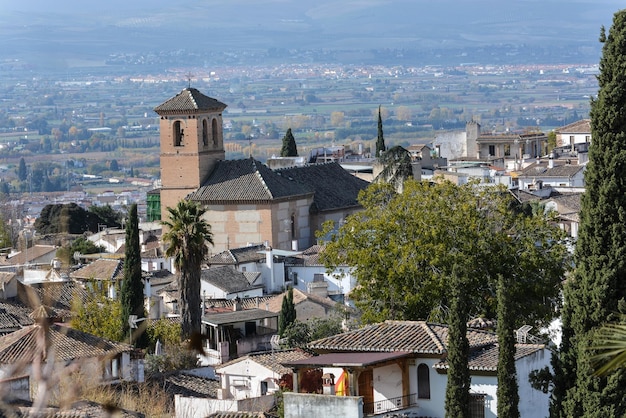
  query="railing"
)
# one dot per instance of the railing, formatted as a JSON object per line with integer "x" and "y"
{"x": 391, "y": 404}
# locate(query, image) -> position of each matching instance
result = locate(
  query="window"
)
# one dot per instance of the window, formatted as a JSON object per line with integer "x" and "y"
{"x": 477, "y": 405}
{"x": 423, "y": 381}
{"x": 587, "y": 138}
{"x": 214, "y": 131}
{"x": 293, "y": 227}
{"x": 263, "y": 388}
{"x": 179, "y": 134}
{"x": 205, "y": 132}
{"x": 492, "y": 150}
{"x": 507, "y": 149}
{"x": 295, "y": 279}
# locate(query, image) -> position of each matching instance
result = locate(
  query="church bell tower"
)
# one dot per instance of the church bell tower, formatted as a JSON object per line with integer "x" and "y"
{"x": 192, "y": 141}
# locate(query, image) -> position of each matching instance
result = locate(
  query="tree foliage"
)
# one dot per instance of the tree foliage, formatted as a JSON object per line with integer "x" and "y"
{"x": 72, "y": 219}
{"x": 80, "y": 245}
{"x": 596, "y": 293}
{"x": 299, "y": 334}
{"x": 187, "y": 238}
{"x": 458, "y": 384}
{"x": 289, "y": 148}
{"x": 287, "y": 313}
{"x": 380, "y": 140}
{"x": 99, "y": 315}
{"x": 131, "y": 293}
{"x": 507, "y": 392}
{"x": 403, "y": 248}
{"x": 22, "y": 171}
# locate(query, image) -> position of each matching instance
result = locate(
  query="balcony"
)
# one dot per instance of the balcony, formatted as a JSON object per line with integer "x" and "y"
{"x": 390, "y": 405}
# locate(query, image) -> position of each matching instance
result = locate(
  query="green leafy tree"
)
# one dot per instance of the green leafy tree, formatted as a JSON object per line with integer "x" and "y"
{"x": 131, "y": 294}
{"x": 458, "y": 385}
{"x": 287, "y": 312}
{"x": 403, "y": 247}
{"x": 289, "y": 148}
{"x": 551, "y": 140}
{"x": 22, "y": 171}
{"x": 507, "y": 392}
{"x": 72, "y": 219}
{"x": 380, "y": 141}
{"x": 107, "y": 215}
{"x": 299, "y": 334}
{"x": 596, "y": 293}
{"x": 187, "y": 238}
{"x": 99, "y": 316}
{"x": 80, "y": 245}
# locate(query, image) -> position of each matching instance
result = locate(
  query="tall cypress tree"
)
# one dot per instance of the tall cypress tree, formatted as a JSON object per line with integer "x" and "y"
{"x": 289, "y": 148}
{"x": 596, "y": 292}
{"x": 131, "y": 294}
{"x": 22, "y": 171}
{"x": 380, "y": 141}
{"x": 507, "y": 392}
{"x": 287, "y": 313}
{"x": 459, "y": 380}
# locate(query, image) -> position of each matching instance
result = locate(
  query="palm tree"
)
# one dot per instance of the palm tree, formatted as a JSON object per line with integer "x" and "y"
{"x": 187, "y": 237}
{"x": 609, "y": 348}
{"x": 396, "y": 167}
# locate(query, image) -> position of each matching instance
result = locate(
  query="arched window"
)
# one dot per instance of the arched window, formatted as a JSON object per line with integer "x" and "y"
{"x": 205, "y": 132}
{"x": 214, "y": 131}
{"x": 423, "y": 381}
{"x": 179, "y": 134}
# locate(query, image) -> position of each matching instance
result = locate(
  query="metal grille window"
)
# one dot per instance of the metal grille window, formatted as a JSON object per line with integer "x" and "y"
{"x": 477, "y": 405}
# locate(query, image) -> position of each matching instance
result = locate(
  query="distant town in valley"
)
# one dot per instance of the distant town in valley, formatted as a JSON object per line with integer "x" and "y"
{"x": 94, "y": 128}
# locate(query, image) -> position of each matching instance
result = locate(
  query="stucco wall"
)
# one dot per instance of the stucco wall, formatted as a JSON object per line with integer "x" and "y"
{"x": 304, "y": 405}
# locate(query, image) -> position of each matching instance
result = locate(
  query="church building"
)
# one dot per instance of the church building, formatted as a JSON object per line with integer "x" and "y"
{"x": 246, "y": 201}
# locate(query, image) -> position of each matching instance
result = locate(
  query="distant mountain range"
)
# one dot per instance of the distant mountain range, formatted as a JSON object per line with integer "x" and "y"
{"x": 51, "y": 30}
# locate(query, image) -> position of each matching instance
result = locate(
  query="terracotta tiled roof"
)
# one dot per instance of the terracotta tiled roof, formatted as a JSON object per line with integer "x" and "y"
{"x": 567, "y": 202}
{"x": 58, "y": 295}
{"x": 189, "y": 100}
{"x": 13, "y": 316}
{"x": 67, "y": 343}
{"x": 486, "y": 358}
{"x": 410, "y": 336}
{"x": 247, "y": 180}
{"x": 33, "y": 253}
{"x": 235, "y": 256}
{"x": 228, "y": 279}
{"x": 523, "y": 196}
{"x": 276, "y": 302}
{"x": 271, "y": 360}
{"x": 308, "y": 257}
{"x": 239, "y": 414}
{"x": 80, "y": 409}
{"x": 582, "y": 126}
{"x": 260, "y": 302}
{"x": 335, "y": 188}
{"x": 542, "y": 170}
{"x": 100, "y": 269}
{"x": 179, "y": 383}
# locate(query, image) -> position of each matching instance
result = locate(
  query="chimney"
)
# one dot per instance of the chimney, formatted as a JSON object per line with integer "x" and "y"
{"x": 550, "y": 162}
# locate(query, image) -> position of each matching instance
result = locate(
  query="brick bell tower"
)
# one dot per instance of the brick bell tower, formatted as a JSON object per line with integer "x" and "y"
{"x": 192, "y": 141}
